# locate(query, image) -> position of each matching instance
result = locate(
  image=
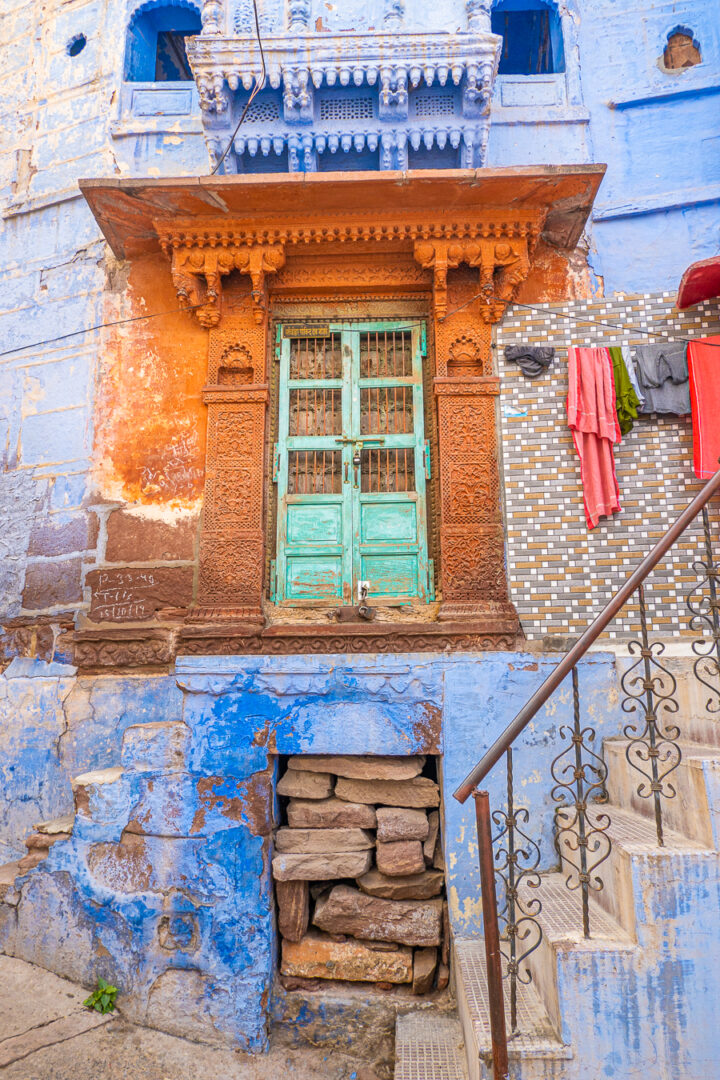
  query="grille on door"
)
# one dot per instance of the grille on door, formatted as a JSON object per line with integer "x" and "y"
{"x": 314, "y": 472}
{"x": 316, "y": 411}
{"x": 384, "y": 471}
{"x": 386, "y": 354}
{"x": 386, "y": 410}
{"x": 316, "y": 358}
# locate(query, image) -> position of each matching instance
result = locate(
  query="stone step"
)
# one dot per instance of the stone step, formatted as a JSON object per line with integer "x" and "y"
{"x": 563, "y": 943}
{"x": 695, "y": 809}
{"x": 697, "y": 722}
{"x": 535, "y": 1052}
{"x": 637, "y": 865}
{"x": 429, "y": 1046}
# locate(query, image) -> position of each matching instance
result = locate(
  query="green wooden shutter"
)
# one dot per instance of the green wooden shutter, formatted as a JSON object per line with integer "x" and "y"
{"x": 351, "y": 466}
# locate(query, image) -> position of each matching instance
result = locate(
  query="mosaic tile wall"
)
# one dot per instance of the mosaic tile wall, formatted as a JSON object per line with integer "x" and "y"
{"x": 560, "y": 573}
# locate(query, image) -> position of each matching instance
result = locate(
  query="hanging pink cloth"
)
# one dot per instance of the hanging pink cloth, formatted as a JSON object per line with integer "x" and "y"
{"x": 704, "y": 367}
{"x": 593, "y": 421}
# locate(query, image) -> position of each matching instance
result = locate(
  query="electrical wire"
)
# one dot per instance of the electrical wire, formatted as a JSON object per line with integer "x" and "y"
{"x": 530, "y": 307}
{"x": 256, "y": 90}
{"x": 613, "y": 326}
{"x": 98, "y": 326}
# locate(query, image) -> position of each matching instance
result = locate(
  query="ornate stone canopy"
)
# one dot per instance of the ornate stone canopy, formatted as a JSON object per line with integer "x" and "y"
{"x": 457, "y": 245}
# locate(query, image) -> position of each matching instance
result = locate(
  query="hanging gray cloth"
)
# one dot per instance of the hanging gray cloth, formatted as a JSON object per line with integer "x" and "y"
{"x": 662, "y": 370}
{"x": 532, "y": 360}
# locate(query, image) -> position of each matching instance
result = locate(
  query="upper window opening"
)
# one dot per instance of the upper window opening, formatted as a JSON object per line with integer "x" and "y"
{"x": 76, "y": 45}
{"x": 155, "y": 50}
{"x": 532, "y": 37}
{"x": 682, "y": 50}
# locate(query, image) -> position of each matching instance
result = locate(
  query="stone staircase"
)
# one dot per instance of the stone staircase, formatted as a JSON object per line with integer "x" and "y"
{"x": 637, "y": 997}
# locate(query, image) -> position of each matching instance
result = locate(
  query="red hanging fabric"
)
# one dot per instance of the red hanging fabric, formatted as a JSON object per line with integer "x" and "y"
{"x": 594, "y": 425}
{"x": 704, "y": 368}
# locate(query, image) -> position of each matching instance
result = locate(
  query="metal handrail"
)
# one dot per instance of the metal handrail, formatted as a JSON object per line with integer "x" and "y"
{"x": 581, "y": 646}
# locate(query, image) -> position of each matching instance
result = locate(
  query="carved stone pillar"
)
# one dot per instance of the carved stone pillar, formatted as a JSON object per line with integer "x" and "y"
{"x": 472, "y": 560}
{"x": 232, "y": 543}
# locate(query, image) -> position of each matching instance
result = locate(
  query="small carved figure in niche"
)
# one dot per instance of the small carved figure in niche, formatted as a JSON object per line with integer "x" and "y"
{"x": 235, "y": 368}
{"x": 681, "y": 51}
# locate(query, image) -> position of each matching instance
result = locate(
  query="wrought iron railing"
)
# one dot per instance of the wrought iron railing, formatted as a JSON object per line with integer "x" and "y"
{"x": 510, "y": 860}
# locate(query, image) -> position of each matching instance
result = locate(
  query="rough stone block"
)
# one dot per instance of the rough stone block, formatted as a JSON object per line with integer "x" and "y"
{"x": 424, "y": 964}
{"x": 134, "y": 538}
{"x": 439, "y": 856}
{"x": 361, "y": 767}
{"x": 162, "y": 744}
{"x": 64, "y": 538}
{"x": 432, "y": 835}
{"x": 400, "y": 858}
{"x": 134, "y": 594}
{"x": 187, "y": 1003}
{"x": 51, "y": 584}
{"x": 305, "y": 785}
{"x": 318, "y": 957}
{"x": 99, "y": 794}
{"x": 322, "y": 841}
{"x": 293, "y": 900}
{"x": 321, "y": 867}
{"x": 443, "y": 976}
{"x": 414, "y": 887}
{"x": 330, "y": 814}
{"x": 410, "y": 922}
{"x": 399, "y": 823}
{"x": 417, "y": 792}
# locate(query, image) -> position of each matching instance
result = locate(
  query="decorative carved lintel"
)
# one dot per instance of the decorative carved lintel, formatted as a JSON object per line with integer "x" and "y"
{"x": 198, "y": 271}
{"x": 503, "y": 264}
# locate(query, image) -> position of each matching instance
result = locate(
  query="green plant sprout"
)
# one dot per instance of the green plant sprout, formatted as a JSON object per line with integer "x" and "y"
{"x": 102, "y": 999}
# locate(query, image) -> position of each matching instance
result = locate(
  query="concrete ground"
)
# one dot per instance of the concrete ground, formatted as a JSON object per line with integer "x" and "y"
{"x": 46, "y": 1034}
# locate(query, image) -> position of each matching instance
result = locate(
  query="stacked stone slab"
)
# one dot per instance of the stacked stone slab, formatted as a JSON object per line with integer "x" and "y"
{"x": 359, "y": 873}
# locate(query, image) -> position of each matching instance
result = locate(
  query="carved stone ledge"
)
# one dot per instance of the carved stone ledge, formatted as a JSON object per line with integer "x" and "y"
{"x": 488, "y": 631}
{"x": 452, "y": 386}
{"x": 131, "y": 647}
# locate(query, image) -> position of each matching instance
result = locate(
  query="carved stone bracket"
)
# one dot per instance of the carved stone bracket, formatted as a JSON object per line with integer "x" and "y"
{"x": 503, "y": 263}
{"x": 198, "y": 271}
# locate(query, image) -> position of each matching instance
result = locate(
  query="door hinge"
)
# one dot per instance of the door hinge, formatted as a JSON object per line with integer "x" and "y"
{"x": 431, "y": 579}
{"x": 273, "y": 581}
{"x": 276, "y": 463}
{"x": 423, "y": 339}
{"x": 428, "y": 469}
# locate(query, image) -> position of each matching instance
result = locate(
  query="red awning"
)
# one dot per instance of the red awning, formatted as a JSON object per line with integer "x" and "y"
{"x": 701, "y": 281}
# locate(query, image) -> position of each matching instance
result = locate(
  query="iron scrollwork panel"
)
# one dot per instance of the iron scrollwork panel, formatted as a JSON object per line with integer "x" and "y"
{"x": 650, "y": 690}
{"x": 517, "y": 859}
{"x": 581, "y": 829}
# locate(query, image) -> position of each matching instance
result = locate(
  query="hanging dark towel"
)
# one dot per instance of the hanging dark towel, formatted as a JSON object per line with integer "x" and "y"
{"x": 663, "y": 373}
{"x": 532, "y": 360}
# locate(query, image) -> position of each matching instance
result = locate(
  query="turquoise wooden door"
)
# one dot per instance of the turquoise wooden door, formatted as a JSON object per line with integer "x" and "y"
{"x": 351, "y": 466}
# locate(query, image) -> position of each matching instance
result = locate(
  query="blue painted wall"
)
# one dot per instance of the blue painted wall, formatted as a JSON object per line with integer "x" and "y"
{"x": 609, "y": 98}
{"x": 181, "y": 834}
{"x": 54, "y": 726}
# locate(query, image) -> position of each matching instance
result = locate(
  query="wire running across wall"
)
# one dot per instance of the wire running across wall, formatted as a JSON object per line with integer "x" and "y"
{"x": 529, "y": 307}
{"x": 255, "y": 91}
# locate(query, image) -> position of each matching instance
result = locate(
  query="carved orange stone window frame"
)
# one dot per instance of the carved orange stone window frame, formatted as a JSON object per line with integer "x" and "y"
{"x": 472, "y": 274}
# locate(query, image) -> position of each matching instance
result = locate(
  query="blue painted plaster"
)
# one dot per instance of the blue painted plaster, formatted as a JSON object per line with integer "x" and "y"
{"x": 54, "y": 726}
{"x": 190, "y": 814}
{"x": 609, "y": 99}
